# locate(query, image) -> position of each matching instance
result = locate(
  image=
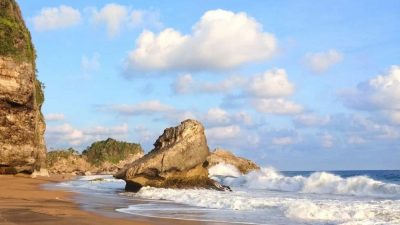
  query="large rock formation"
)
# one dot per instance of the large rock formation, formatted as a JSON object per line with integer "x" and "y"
{"x": 178, "y": 160}
{"x": 22, "y": 146}
{"x": 223, "y": 156}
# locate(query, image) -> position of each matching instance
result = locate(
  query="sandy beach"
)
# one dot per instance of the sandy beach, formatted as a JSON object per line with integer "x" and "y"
{"x": 23, "y": 201}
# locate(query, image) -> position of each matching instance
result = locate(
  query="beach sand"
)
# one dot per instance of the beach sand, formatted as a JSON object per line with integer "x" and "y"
{"x": 23, "y": 201}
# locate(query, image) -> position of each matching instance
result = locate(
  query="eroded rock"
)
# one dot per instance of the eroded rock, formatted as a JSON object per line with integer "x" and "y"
{"x": 178, "y": 160}
{"x": 22, "y": 146}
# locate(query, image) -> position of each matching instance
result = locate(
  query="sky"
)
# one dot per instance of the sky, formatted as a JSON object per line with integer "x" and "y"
{"x": 296, "y": 85}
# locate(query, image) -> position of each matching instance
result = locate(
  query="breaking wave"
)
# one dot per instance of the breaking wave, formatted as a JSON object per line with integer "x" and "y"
{"x": 318, "y": 182}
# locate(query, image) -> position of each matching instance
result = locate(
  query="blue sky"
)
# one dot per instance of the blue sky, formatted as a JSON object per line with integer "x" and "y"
{"x": 298, "y": 85}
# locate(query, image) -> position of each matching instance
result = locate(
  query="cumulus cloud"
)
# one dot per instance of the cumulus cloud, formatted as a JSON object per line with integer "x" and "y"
{"x": 220, "y": 40}
{"x": 266, "y": 92}
{"x": 217, "y": 117}
{"x": 141, "y": 108}
{"x": 145, "y": 18}
{"x": 185, "y": 84}
{"x": 54, "y": 117}
{"x": 321, "y": 62}
{"x": 223, "y": 132}
{"x": 327, "y": 140}
{"x": 116, "y": 16}
{"x": 311, "y": 120}
{"x": 356, "y": 140}
{"x": 381, "y": 94}
{"x": 113, "y": 16}
{"x": 272, "y": 83}
{"x": 56, "y": 18}
{"x": 276, "y": 106}
{"x": 90, "y": 64}
{"x": 284, "y": 140}
{"x": 65, "y": 135}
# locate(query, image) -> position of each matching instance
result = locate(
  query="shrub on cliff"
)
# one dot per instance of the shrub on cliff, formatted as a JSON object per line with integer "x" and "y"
{"x": 54, "y": 156}
{"x": 111, "y": 150}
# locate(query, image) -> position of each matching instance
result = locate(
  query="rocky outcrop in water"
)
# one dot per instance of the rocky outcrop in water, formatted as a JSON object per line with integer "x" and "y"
{"x": 22, "y": 146}
{"x": 178, "y": 160}
{"x": 223, "y": 156}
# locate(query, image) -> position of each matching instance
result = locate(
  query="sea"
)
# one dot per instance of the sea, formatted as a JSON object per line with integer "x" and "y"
{"x": 268, "y": 196}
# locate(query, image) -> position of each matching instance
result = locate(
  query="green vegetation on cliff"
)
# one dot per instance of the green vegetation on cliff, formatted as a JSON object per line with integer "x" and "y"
{"x": 15, "y": 37}
{"x": 111, "y": 150}
{"x": 54, "y": 156}
{"x": 16, "y": 41}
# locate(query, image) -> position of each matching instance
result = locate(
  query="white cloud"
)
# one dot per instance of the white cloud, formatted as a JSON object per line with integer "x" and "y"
{"x": 113, "y": 15}
{"x": 223, "y": 132}
{"x": 185, "y": 84}
{"x": 217, "y": 116}
{"x": 66, "y": 135}
{"x": 320, "y": 62}
{"x": 356, "y": 140}
{"x": 327, "y": 140}
{"x": 273, "y": 83}
{"x": 276, "y": 106}
{"x": 311, "y": 120}
{"x": 220, "y": 40}
{"x": 106, "y": 131}
{"x": 381, "y": 94}
{"x": 141, "y": 108}
{"x": 56, "y": 18}
{"x": 144, "y": 18}
{"x": 54, "y": 117}
{"x": 116, "y": 17}
{"x": 393, "y": 116}
{"x": 284, "y": 140}
{"x": 90, "y": 64}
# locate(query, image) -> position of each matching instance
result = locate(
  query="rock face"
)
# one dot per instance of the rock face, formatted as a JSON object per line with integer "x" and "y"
{"x": 22, "y": 146}
{"x": 223, "y": 156}
{"x": 178, "y": 160}
{"x": 67, "y": 162}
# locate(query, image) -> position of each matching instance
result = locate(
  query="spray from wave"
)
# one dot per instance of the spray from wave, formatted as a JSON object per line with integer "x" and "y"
{"x": 318, "y": 182}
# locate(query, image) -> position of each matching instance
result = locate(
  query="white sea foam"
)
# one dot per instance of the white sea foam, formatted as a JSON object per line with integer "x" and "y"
{"x": 224, "y": 169}
{"x": 318, "y": 182}
{"x": 320, "y": 210}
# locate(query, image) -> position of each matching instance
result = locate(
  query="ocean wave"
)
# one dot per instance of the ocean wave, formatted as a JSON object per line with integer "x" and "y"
{"x": 319, "y": 210}
{"x": 318, "y": 182}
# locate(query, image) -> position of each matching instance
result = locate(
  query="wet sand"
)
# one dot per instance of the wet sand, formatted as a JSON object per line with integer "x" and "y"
{"x": 23, "y": 201}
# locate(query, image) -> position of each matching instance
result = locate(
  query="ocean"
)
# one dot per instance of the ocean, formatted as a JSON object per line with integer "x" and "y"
{"x": 263, "y": 197}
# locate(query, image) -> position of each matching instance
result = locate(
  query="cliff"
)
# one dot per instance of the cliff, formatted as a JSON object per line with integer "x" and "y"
{"x": 22, "y": 146}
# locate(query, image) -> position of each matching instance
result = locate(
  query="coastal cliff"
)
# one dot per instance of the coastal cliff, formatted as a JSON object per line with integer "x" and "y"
{"x": 22, "y": 126}
{"x": 178, "y": 160}
{"x": 101, "y": 157}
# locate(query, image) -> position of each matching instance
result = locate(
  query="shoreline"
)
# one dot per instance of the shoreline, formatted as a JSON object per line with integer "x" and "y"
{"x": 24, "y": 201}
